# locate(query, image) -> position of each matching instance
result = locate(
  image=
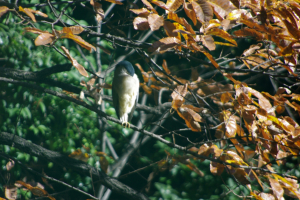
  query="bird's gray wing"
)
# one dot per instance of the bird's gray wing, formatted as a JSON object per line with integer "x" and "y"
{"x": 115, "y": 101}
{"x": 133, "y": 108}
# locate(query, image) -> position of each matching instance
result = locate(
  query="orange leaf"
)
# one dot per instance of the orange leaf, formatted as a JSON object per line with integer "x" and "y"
{"x": 155, "y": 21}
{"x": 223, "y": 34}
{"x": 164, "y": 44}
{"x": 208, "y": 42}
{"x": 74, "y": 62}
{"x": 251, "y": 33}
{"x": 79, "y": 155}
{"x": 189, "y": 11}
{"x": 173, "y": 5}
{"x": 38, "y": 12}
{"x": 67, "y": 33}
{"x": 115, "y": 2}
{"x": 141, "y": 23}
{"x": 35, "y": 30}
{"x": 146, "y": 88}
{"x": 178, "y": 96}
{"x": 203, "y": 10}
{"x": 28, "y": 12}
{"x": 43, "y": 39}
{"x": 3, "y": 10}
{"x": 165, "y": 66}
{"x": 276, "y": 187}
{"x": 99, "y": 12}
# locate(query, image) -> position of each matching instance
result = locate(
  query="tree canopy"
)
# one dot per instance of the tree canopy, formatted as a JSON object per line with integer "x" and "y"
{"x": 218, "y": 109}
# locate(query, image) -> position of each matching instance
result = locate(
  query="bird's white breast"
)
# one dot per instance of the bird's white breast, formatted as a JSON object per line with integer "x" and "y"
{"x": 127, "y": 90}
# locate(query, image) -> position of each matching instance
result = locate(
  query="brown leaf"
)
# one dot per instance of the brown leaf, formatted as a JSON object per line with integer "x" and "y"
{"x": 173, "y": 5}
{"x": 178, "y": 96}
{"x": 142, "y": 12}
{"x": 115, "y": 2}
{"x": 203, "y": 10}
{"x": 276, "y": 188}
{"x": 208, "y": 42}
{"x": 146, "y": 88}
{"x": 10, "y": 164}
{"x": 79, "y": 155}
{"x": 141, "y": 23}
{"x": 99, "y": 12}
{"x": 149, "y": 6}
{"x": 223, "y": 34}
{"x": 245, "y": 32}
{"x": 189, "y": 11}
{"x": 67, "y": 33}
{"x": 35, "y": 30}
{"x": 11, "y": 192}
{"x": 155, "y": 21}
{"x": 160, "y": 4}
{"x": 104, "y": 163}
{"x": 164, "y": 44}
{"x": 222, "y": 7}
{"x": 252, "y": 49}
{"x": 28, "y": 12}
{"x": 37, "y": 12}
{"x": 165, "y": 67}
{"x": 74, "y": 62}
{"x": 225, "y": 97}
{"x": 43, "y": 39}
{"x": 3, "y": 10}
{"x": 169, "y": 28}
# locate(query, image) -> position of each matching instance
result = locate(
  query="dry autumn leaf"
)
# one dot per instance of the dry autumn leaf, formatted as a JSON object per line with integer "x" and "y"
{"x": 3, "y": 10}
{"x": 164, "y": 44}
{"x": 74, "y": 62}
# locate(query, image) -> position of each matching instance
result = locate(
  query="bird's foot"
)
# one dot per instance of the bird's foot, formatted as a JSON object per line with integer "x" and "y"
{"x": 126, "y": 124}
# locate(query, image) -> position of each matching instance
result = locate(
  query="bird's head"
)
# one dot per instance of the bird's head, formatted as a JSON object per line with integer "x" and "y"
{"x": 125, "y": 67}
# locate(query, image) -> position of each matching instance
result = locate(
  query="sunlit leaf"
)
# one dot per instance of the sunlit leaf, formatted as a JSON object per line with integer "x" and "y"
{"x": 28, "y": 12}
{"x": 3, "y": 10}
{"x": 164, "y": 44}
{"x": 43, "y": 39}
{"x": 155, "y": 21}
{"x": 203, "y": 10}
{"x": 79, "y": 155}
{"x": 74, "y": 62}
{"x": 99, "y": 12}
{"x": 223, "y": 34}
{"x": 141, "y": 23}
{"x": 173, "y": 5}
{"x": 115, "y": 2}
{"x": 208, "y": 42}
{"x": 189, "y": 11}
{"x": 276, "y": 188}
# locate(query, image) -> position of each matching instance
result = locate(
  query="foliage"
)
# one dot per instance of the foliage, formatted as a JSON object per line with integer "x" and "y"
{"x": 218, "y": 110}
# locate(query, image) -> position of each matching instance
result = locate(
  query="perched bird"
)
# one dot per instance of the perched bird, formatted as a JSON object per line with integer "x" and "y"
{"x": 125, "y": 91}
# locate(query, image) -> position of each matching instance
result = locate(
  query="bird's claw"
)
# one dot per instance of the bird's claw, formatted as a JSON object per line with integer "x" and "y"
{"x": 126, "y": 124}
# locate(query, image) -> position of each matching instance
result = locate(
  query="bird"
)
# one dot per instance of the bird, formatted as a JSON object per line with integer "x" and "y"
{"x": 125, "y": 91}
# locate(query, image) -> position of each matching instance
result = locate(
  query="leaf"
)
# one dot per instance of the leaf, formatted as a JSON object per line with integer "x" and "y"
{"x": 10, "y": 164}
{"x": 3, "y": 10}
{"x": 104, "y": 163}
{"x": 146, "y": 88}
{"x": 160, "y": 4}
{"x": 178, "y": 96}
{"x": 223, "y": 34}
{"x": 67, "y": 33}
{"x": 79, "y": 155}
{"x": 222, "y": 7}
{"x": 189, "y": 11}
{"x": 155, "y": 21}
{"x": 251, "y": 33}
{"x": 165, "y": 67}
{"x": 28, "y": 12}
{"x": 292, "y": 29}
{"x": 99, "y": 12}
{"x": 203, "y": 10}
{"x": 276, "y": 187}
{"x": 173, "y": 5}
{"x": 252, "y": 49}
{"x": 141, "y": 23}
{"x": 142, "y": 12}
{"x": 149, "y": 6}
{"x": 74, "y": 62}
{"x": 164, "y": 44}
{"x": 115, "y": 2}
{"x": 208, "y": 42}
{"x": 190, "y": 117}
{"x": 11, "y": 192}
{"x": 169, "y": 28}
{"x": 37, "y": 12}
{"x": 43, "y": 39}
